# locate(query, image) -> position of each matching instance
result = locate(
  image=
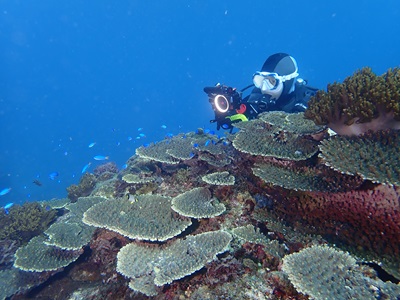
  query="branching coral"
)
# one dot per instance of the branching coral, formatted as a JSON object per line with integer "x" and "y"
{"x": 362, "y": 102}
{"x": 84, "y": 188}
{"x": 24, "y": 222}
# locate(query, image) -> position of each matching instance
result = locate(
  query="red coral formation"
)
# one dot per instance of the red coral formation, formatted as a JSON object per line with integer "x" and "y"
{"x": 367, "y": 218}
{"x": 105, "y": 245}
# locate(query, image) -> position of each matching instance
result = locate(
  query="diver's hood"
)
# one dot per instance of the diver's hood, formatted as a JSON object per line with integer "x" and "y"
{"x": 283, "y": 64}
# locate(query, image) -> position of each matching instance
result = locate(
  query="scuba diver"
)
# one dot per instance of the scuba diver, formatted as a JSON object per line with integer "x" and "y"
{"x": 275, "y": 87}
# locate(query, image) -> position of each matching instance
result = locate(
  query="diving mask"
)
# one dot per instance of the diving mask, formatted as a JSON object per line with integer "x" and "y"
{"x": 271, "y": 83}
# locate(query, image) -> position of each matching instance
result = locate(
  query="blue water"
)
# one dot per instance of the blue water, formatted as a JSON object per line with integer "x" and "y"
{"x": 75, "y": 72}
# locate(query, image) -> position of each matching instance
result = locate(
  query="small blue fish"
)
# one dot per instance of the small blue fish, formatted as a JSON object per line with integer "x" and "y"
{"x": 100, "y": 157}
{"x": 169, "y": 135}
{"x": 207, "y": 143}
{"x": 146, "y": 145}
{"x": 191, "y": 154}
{"x": 91, "y": 144}
{"x": 140, "y": 129}
{"x": 206, "y": 130}
{"x": 163, "y": 126}
{"x": 212, "y": 132}
{"x": 195, "y": 145}
{"x": 124, "y": 166}
{"x": 214, "y": 142}
{"x": 130, "y": 138}
{"x": 53, "y": 175}
{"x": 142, "y": 135}
{"x": 84, "y": 169}
{"x": 8, "y": 205}
{"x": 5, "y": 191}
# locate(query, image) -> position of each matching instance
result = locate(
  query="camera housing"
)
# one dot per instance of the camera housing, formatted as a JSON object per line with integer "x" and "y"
{"x": 225, "y": 102}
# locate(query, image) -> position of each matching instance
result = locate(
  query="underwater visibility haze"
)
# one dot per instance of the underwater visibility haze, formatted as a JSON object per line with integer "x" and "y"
{"x": 75, "y": 73}
{"x": 113, "y": 176}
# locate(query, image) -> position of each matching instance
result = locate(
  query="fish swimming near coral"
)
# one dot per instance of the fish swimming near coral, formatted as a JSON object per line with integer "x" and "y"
{"x": 5, "y": 191}
{"x": 101, "y": 157}
{"x": 7, "y": 207}
{"x": 84, "y": 169}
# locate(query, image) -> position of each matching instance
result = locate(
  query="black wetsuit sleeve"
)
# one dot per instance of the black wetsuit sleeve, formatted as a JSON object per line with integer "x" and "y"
{"x": 300, "y": 98}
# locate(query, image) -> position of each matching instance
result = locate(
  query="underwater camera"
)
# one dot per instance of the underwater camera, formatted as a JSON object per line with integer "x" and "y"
{"x": 224, "y": 101}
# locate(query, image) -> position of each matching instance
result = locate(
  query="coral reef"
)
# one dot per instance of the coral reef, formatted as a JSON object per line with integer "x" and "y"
{"x": 251, "y": 234}
{"x": 364, "y": 101}
{"x": 367, "y": 219}
{"x": 147, "y": 265}
{"x": 145, "y": 217}
{"x": 298, "y": 178}
{"x": 219, "y": 178}
{"x": 258, "y": 137}
{"x": 68, "y": 236}
{"x": 294, "y": 123}
{"x": 106, "y": 171}
{"x": 36, "y": 256}
{"x": 25, "y": 221}
{"x": 55, "y": 203}
{"x": 374, "y": 155}
{"x": 325, "y": 273}
{"x": 84, "y": 188}
{"x": 136, "y": 178}
{"x": 7, "y": 250}
{"x": 172, "y": 239}
{"x": 197, "y": 203}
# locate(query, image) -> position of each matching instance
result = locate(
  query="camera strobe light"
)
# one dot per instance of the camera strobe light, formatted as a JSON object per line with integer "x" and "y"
{"x": 221, "y": 103}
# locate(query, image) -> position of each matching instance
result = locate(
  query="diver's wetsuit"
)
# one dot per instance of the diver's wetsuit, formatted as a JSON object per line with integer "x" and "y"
{"x": 293, "y": 102}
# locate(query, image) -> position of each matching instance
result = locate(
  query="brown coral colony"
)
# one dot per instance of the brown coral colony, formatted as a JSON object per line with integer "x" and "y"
{"x": 362, "y": 102}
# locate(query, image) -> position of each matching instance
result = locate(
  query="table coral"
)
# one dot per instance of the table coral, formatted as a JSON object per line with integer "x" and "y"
{"x": 325, "y": 273}
{"x": 197, "y": 203}
{"x": 364, "y": 101}
{"x": 219, "y": 178}
{"x": 257, "y": 137}
{"x": 374, "y": 155}
{"x": 148, "y": 266}
{"x": 148, "y": 217}
{"x": 36, "y": 256}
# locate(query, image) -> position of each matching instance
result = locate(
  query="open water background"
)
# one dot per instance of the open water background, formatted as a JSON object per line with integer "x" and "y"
{"x": 75, "y": 72}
